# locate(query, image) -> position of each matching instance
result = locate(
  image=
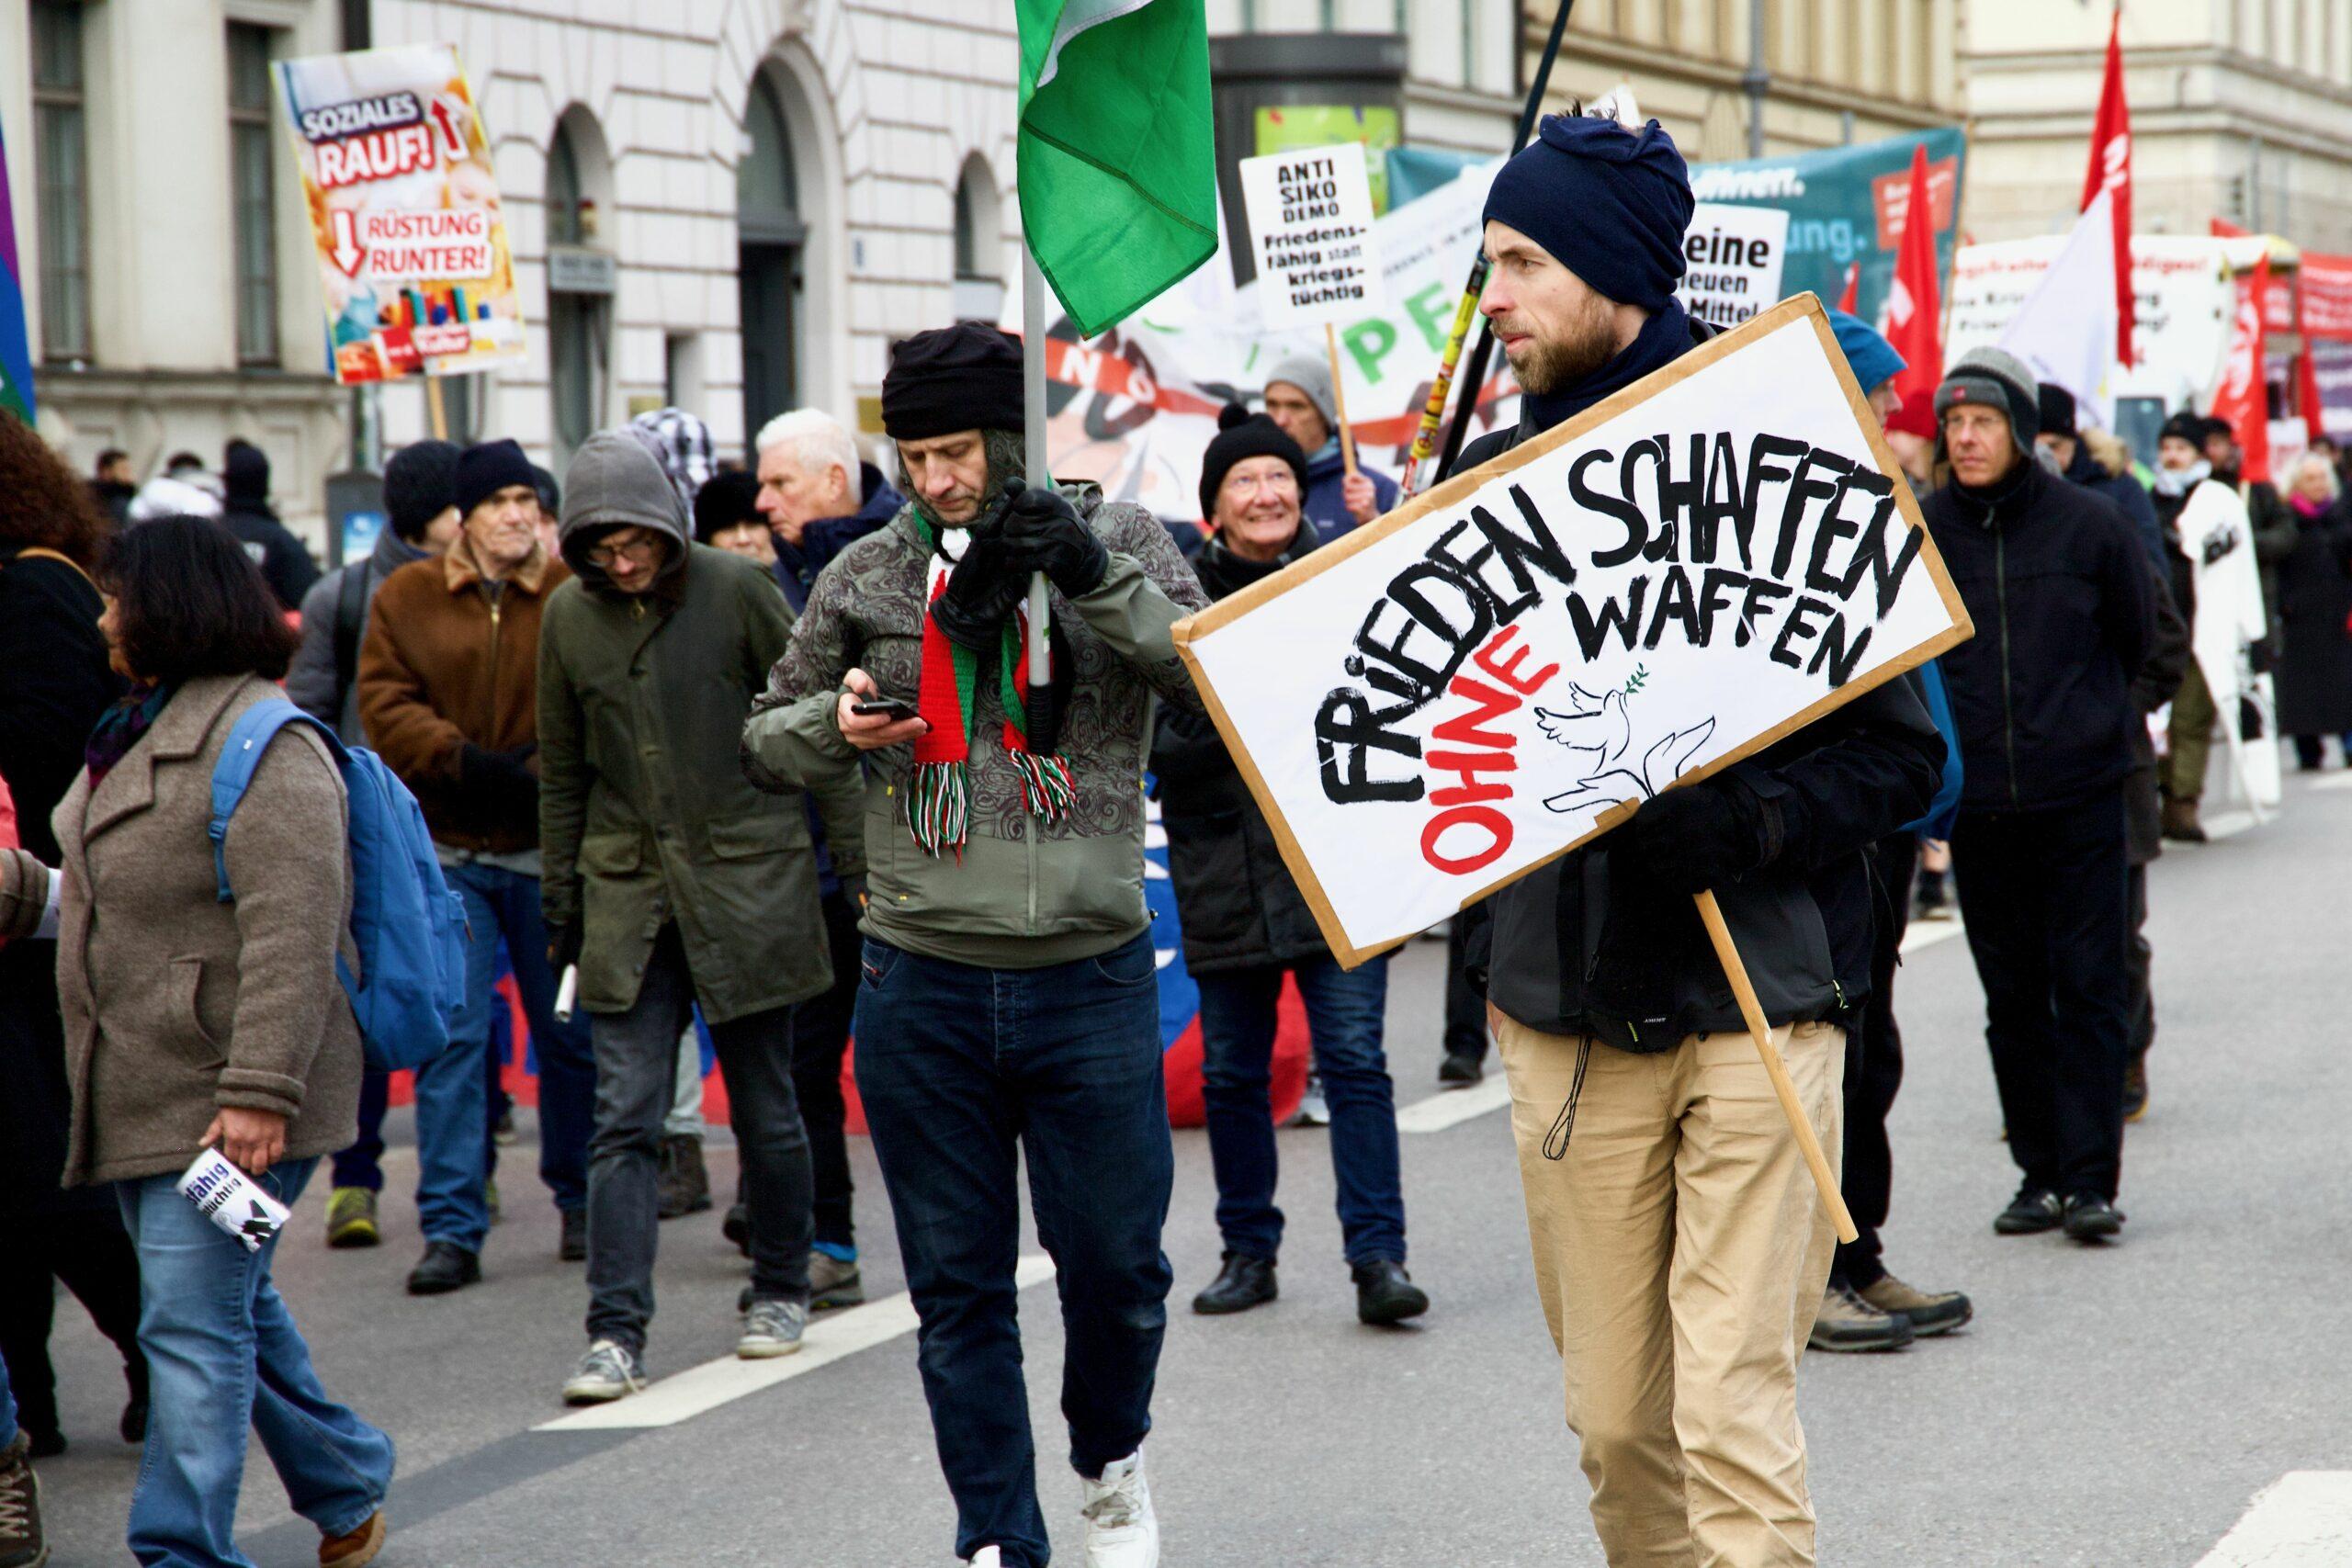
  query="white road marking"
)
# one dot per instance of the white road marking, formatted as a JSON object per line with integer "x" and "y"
{"x": 2228, "y": 825}
{"x": 830, "y": 1339}
{"x": 1454, "y": 1106}
{"x": 1926, "y": 934}
{"x": 2342, "y": 779}
{"x": 2302, "y": 1520}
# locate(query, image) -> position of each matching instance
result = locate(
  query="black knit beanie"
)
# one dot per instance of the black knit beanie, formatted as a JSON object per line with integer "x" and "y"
{"x": 1240, "y": 433}
{"x": 419, "y": 485}
{"x": 727, "y": 501}
{"x": 486, "y": 469}
{"x": 967, "y": 377}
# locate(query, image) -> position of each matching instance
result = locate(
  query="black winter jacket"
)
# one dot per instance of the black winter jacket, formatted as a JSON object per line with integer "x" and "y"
{"x": 284, "y": 561}
{"x": 2056, "y": 579}
{"x": 1235, "y": 898}
{"x": 1569, "y": 954}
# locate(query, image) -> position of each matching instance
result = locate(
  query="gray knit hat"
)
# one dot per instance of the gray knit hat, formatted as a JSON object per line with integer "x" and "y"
{"x": 1997, "y": 380}
{"x": 1311, "y": 374}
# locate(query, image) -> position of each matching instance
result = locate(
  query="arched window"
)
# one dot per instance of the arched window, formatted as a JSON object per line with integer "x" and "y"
{"x": 771, "y": 236}
{"x": 580, "y": 282}
{"x": 980, "y": 244}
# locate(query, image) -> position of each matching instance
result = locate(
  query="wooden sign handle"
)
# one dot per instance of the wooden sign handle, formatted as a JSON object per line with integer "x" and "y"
{"x": 435, "y": 417}
{"x": 1339, "y": 401}
{"x": 1825, "y": 1180}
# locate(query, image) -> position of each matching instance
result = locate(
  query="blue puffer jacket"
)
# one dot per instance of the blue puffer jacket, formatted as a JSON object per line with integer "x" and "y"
{"x": 1326, "y": 504}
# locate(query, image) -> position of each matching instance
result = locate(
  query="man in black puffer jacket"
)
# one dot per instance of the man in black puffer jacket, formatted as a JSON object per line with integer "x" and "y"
{"x": 2063, "y": 602}
{"x": 1681, "y": 1251}
{"x": 1245, "y": 926}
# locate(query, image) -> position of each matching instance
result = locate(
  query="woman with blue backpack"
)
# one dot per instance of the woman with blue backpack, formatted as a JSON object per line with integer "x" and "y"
{"x": 200, "y": 1018}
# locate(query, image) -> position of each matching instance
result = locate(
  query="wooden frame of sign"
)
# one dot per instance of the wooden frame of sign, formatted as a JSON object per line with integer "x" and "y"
{"x": 1460, "y": 486}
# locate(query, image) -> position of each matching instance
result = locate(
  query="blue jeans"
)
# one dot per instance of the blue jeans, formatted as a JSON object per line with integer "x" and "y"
{"x": 7, "y": 1409}
{"x": 452, "y": 1091}
{"x": 1345, "y": 1014}
{"x": 955, "y": 1064}
{"x": 224, "y": 1356}
{"x": 362, "y": 1164}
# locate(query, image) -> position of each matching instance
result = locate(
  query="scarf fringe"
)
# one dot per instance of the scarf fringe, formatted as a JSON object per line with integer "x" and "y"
{"x": 1045, "y": 788}
{"x": 939, "y": 807}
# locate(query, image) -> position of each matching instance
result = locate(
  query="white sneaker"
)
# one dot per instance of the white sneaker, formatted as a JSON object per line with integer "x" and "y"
{"x": 1121, "y": 1530}
{"x": 988, "y": 1557}
{"x": 1314, "y": 1110}
{"x": 608, "y": 1371}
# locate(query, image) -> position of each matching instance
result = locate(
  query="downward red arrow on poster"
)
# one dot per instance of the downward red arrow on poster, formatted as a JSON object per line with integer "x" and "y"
{"x": 348, "y": 252}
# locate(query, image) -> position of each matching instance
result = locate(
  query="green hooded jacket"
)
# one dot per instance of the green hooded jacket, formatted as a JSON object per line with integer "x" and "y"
{"x": 1020, "y": 895}
{"x": 645, "y": 817}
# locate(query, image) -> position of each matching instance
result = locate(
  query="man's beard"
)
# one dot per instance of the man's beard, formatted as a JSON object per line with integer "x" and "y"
{"x": 1588, "y": 342}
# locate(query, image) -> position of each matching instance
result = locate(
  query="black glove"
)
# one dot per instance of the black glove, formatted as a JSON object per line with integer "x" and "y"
{"x": 982, "y": 589}
{"x": 563, "y": 946}
{"x": 503, "y": 780}
{"x": 1699, "y": 836}
{"x": 1043, "y": 532}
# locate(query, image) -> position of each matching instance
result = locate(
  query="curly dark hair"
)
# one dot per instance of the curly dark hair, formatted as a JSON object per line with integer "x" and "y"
{"x": 188, "y": 601}
{"x": 44, "y": 503}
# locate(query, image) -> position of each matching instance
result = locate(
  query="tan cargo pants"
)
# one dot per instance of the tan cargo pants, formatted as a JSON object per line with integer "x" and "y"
{"x": 1681, "y": 1253}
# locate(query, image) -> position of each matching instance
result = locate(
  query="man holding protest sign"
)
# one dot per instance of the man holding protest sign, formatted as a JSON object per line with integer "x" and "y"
{"x": 1680, "y": 1249}
{"x": 1299, "y": 399}
{"x": 1010, "y": 999}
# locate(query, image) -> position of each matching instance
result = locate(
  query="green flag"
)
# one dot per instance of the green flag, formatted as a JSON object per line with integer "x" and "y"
{"x": 1117, "y": 161}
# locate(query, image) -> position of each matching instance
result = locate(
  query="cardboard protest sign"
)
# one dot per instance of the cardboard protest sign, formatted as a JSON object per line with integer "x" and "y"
{"x": 1687, "y": 571}
{"x": 1734, "y": 257}
{"x": 1310, "y": 228}
{"x": 404, "y": 210}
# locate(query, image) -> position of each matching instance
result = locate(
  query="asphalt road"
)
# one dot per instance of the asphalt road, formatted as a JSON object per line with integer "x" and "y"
{"x": 2112, "y": 1407}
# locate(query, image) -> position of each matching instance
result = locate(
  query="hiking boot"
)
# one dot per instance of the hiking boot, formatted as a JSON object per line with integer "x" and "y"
{"x": 445, "y": 1267}
{"x": 772, "y": 1328}
{"x": 2136, "y": 1088}
{"x": 1314, "y": 1110}
{"x": 684, "y": 1186}
{"x": 609, "y": 1371}
{"x": 351, "y": 1218}
{"x": 22, "y": 1542}
{"x": 1459, "y": 1070}
{"x": 573, "y": 1246}
{"x": 1244, "y": 1282}
{"x": 1121, "y": 1530}
{"x": 2032, "y": 1211}
{"x": 2180, "y": 823}
{"x": 1936, "y": 1311}
{"x": 1385, "y": 1294}
{"x": 2089, "y": 1217}
{"x": 1848, "y": 1322}
{"x": 358, "y": 1548}
{"x": 833, "y": 1281}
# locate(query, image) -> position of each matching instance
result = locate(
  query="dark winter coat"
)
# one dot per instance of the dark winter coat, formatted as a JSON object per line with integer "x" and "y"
{"x": 797, "y": 566}
{"x": 2106, "y": 472}
{"x": 1325, "y": 502}
{"x": 2315, "y": 604}
{"x": 1235, "y": 898}
{"x": 54, "y": 682}
{"x": 285, "y": 564}
{"x": 2152, "y": 688}
{"x": 2056, "y": 579}
{"x": 324, "y": 679}
{"x": 1570, "y": 953}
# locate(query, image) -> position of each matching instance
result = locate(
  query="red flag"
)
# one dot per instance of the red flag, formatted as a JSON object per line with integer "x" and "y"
{"x": 2111, "y": 170}
{"x": 2242, "y": 400}
{"x": 1914, "y": 313}
{"x": 1852, "y": 298}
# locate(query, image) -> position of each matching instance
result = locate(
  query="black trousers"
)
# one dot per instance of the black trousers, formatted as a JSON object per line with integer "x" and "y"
{"x": 91, "y": 1252}
{"x": 2141, "y": 959}
{"x": 1874, "y": 1066}
{"x": 2047, "y": 902}
{"x": 819, "y": 1040}
{"x": 1465, "y": 1009}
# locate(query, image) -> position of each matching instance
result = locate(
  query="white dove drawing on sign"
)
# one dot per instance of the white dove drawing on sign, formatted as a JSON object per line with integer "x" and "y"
{"x": 1599, "y": 729}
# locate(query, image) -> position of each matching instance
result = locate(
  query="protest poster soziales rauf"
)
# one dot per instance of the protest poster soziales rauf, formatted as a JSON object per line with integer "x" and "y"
{"x": 1670, "y": 583}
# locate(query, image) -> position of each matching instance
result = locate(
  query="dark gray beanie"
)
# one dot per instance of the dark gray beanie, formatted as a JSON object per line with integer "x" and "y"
{"x": 1997, "y": 380}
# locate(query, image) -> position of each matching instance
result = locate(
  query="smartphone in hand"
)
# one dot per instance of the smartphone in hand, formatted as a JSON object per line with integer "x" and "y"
{"x": 883, "y": 708}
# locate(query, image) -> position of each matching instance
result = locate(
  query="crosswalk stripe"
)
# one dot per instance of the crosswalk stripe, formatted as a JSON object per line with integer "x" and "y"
{"x": 1453, "y": 1107}
{"x": 705, "y": 1388}
{"x": 2301, "y": 1520}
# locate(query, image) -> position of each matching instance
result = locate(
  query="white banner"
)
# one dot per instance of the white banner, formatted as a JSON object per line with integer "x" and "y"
{"x": 2230, "y": 620}
{"x": 1733, "y": 258}
{"x": 1451, "y": 696}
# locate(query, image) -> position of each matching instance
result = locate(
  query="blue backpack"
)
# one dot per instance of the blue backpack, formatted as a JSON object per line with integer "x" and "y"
{"x": 409, "y": 926}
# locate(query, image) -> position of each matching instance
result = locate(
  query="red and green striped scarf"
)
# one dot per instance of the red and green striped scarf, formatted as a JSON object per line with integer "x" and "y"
{"x": 939, "y": 795}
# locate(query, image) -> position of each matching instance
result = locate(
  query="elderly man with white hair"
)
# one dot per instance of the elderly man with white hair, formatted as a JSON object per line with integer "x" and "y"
{"x": 818, "y": 495}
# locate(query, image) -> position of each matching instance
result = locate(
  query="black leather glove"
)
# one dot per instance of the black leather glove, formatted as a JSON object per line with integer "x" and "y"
{"x": 563, "y": 946}
{"x": 502, "y": 779}
{"x": 982, "y": 589}
{"x": 1043, "y": 532}
{"x": 1699, "y": 836}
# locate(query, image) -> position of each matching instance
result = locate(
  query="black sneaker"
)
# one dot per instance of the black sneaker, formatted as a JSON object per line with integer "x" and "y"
{"x": 2032, "y": 1211}
{"x": 1242, "y": 1284}
{"x": 574, "y": 1247}
{"x": 445, "y": 1267}
{"x": 22, "y": 1542}
{"x": 2089, "y": 1217}
{"x": 1385, "y": 1294}
{"x": 1459, "y": 1071}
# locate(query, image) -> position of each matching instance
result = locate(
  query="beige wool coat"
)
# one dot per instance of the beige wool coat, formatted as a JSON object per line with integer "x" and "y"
{"x": 177, "y": 1004}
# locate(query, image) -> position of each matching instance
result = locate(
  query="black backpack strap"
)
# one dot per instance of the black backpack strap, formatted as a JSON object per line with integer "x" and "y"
{"x": 350, "y": 612}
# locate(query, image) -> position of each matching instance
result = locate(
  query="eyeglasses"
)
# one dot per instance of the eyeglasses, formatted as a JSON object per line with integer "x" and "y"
{"x": 1282, "y": 481}
{"x": 640, "y": 550}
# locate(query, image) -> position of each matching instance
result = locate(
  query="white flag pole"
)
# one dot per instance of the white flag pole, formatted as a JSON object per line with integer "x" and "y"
{"x": 1042, "y": 730}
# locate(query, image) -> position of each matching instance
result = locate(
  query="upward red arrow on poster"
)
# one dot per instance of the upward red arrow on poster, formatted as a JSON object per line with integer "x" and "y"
{"x": 348, "y": 252}
{"x": 453, "y": 140}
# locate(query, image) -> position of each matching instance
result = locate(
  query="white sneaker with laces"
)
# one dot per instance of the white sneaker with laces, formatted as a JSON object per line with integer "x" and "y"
{"x": 609, "y": 1371}
{"x": 1121, "y": 1530}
